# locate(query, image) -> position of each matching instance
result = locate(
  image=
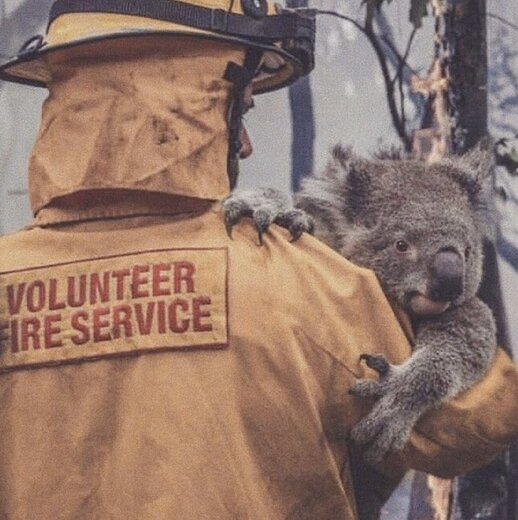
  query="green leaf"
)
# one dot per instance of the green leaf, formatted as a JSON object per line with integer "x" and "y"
{"x": 418, "y": 10}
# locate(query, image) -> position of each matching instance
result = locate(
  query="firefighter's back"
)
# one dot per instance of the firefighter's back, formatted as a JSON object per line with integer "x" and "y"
{"x": 154, "y": 368}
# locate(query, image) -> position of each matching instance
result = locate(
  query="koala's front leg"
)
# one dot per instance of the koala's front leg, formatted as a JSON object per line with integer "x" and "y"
{"x": 387, "y": 427}
{"x": 453, "y": 351}
{"x": 266, "y": 206}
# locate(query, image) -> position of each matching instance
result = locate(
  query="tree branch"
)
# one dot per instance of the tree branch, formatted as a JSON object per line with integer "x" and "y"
{"x": 402, "y": 59}
{"x": 508, "y": 252}
{"x": 502, "y": 20}
{"x": 368, "y": 31}
{"x": 26, "y": 16}
{"x": 402, "y": 102}
{"x": 397, "y": 120}
{"x": 336, "y": 14}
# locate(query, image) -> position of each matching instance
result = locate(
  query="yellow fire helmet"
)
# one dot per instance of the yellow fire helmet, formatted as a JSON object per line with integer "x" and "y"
{"x": 281, "y": 40}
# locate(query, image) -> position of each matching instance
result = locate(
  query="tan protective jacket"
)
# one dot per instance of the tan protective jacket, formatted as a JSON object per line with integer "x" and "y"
{"x": 152, "y": 368}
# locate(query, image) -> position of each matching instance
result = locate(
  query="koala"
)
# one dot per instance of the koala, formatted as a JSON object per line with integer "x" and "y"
{"x": 420, "y": 227}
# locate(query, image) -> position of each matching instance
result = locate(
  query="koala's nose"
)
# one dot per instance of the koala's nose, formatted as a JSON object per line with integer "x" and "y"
{"x": 447, "y": 275}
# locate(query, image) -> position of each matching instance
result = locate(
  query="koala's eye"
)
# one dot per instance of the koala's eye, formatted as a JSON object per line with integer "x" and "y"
{"x": 467, "y": 252}
{"x": 402, "y": 246}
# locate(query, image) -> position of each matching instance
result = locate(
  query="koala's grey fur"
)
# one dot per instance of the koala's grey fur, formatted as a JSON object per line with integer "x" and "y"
{"x": 364, "y": 209}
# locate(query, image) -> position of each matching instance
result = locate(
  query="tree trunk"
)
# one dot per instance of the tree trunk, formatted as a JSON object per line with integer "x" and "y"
{"x": 302, "y": 123}
{"x": 458, "y": 87}
{"x": 303, "y": 131}
{"x": 485, "y": 493}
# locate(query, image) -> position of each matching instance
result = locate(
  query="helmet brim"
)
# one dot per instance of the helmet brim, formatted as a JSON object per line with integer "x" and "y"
{"x": 280, "y": 68}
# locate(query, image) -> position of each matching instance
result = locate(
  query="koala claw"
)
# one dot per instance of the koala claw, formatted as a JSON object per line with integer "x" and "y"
{"x": 296, "y": 222}
{"x": 234, "y": 211}
{"x": 262, "y": 220}
{"x": 377, "y": 362}
{"x": 228, "y": 226}
{"x": 368, "y": 387}
{"x": 266, "y": 207}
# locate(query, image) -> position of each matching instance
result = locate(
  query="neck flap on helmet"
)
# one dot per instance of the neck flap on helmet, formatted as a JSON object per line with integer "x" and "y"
{"x": 295, "y": 32}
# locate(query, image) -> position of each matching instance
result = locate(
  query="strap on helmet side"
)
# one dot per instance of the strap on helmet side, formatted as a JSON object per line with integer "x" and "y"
{"x": 240, "y": 77}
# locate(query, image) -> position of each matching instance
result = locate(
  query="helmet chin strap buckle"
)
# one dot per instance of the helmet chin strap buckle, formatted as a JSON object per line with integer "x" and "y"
{"x": 219, "y": 20}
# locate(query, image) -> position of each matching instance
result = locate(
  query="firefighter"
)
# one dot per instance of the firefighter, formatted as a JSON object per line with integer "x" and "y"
{"x": 151, "y": 367}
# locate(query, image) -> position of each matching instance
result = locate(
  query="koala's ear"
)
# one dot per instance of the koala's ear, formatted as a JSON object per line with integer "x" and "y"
{"x": 358, "y": 184}
{"x": 390, "y": 153}
{"x": 474, "y": 172}
{"x": 338, "y": 194}
{"x": 479, "y": 162}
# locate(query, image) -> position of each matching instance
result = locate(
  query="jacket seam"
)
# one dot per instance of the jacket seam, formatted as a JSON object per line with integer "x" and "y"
{"x": 317, "y": 346}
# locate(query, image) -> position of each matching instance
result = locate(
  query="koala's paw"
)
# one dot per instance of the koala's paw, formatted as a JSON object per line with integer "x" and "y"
{"x": 377, "y": 362}
{"x": 266, "y": 206}
{"x": 387, "y": 427}
{"x": 385, "y": 430}
{"x": 368, "y": 387}
{"x": 234, "y": 209}
{"x": 296, "y": 221}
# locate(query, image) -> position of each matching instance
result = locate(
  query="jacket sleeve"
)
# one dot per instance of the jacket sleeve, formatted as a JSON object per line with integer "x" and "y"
{"x": 470, "y": 430}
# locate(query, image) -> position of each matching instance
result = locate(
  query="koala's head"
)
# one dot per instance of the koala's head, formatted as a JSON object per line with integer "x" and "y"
{"x": 419, "y": 226}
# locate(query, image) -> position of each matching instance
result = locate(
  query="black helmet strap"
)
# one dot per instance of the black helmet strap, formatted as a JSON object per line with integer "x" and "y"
{"x": 240, "y": 77}
{"x": 285, "y": 26}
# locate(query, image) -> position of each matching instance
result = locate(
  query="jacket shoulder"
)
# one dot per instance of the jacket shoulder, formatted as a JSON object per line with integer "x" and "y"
{"x": 339, "y": 306}
{"x": 12, "y": 245}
